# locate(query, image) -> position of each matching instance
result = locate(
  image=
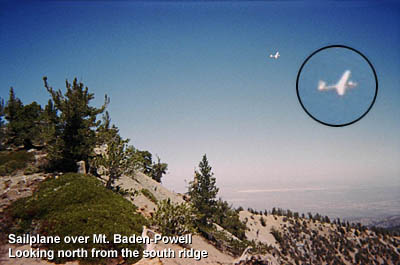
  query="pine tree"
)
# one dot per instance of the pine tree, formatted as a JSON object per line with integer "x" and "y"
{"x": 113, "y": 157}
{"x": 23, "y": 122}
{"x": 12, "y": 113}
{"x": 30, "y": 129}
{"x": 14, "y": 105}
{"x": 50, "y": 126}
{"x": 2, "y": 126}
{"x": 144, "y": 162}
{"x": 203, "y": 191}
{"x": 158, "y": 170}
{"x": 76, "y": 124}
{"x": 1, "y": 111}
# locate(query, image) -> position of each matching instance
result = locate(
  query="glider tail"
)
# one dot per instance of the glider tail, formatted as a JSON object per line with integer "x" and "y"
{"x": 321, "y": 85}
{"x": 352, "y": 84}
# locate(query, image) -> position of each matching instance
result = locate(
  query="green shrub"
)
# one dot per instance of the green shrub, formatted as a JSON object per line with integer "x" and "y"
{"x": 12, "y": 161}
{"x": 149, "y": 195}
{"x": 3, "y": 170}
{"x": 228, "y": 218}
{"x": 262, "y": 220}
{"x": 75, "y": 205}
{"x": 174, "y": 219}
{"x": 277, "y": 235}
{"x": 222, "y": 241}
{"x": 31, "y": 170}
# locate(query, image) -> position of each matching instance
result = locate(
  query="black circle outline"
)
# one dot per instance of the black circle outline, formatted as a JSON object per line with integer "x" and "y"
{"x": 328, "y": 47}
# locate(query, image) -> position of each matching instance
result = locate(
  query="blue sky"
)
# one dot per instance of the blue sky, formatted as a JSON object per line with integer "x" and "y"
{"x": 189, "y": 78}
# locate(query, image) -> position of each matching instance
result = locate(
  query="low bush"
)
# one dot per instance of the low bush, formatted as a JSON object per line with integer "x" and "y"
{"x": 277, "y": 235}
{"x": 30, "y": 169}
{"x": 228, "y": 218}
{"x": 262, "y": 220}
{"x": 174, "y": 219}
{"x": 149, "y": 195}
{"x": 222, "y": 241}
{"x": 12, "y": 161}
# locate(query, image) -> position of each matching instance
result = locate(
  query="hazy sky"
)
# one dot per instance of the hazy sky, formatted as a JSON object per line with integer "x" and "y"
{"x": 192, "y": 78}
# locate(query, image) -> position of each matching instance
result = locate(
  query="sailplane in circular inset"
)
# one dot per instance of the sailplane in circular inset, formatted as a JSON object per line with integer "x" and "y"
{"x": 341, "y": 86}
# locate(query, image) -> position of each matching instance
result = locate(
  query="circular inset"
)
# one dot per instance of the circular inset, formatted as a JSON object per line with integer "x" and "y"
{"x": 337, "y": 85}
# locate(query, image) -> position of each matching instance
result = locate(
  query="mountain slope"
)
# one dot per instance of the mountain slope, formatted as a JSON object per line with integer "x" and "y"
{"x": 276, "y": 239}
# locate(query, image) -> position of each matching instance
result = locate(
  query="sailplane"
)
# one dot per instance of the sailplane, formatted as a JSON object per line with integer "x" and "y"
{"x": 275, "y": 56}
{"x": 341, "y": 86}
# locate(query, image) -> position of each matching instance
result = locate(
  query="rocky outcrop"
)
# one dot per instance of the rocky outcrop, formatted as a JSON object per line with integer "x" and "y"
{"x": 18, "y": 186}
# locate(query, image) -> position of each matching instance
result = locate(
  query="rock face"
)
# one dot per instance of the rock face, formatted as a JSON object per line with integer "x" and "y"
{"x": 141, "y": 181}
{"x": 15, "y": 187}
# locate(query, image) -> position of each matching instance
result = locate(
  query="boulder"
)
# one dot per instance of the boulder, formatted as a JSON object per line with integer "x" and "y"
{"x": 81, "y": 167}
